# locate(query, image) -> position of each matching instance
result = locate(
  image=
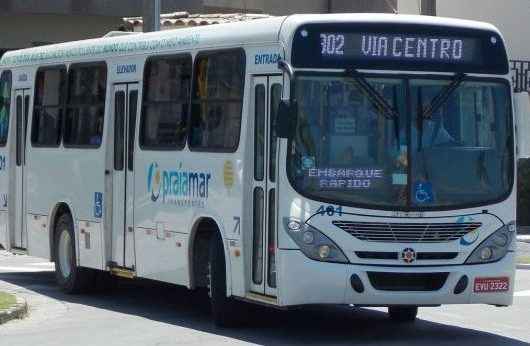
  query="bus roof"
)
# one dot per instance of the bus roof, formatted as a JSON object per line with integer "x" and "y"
{"x": 267, "y": 30}
{"x": 294, "y": 21}
{"x": 230, "y": 34}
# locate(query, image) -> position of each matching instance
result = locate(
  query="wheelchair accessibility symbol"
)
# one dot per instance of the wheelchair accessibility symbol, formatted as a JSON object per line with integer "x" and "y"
{"x": 423, "y": 192}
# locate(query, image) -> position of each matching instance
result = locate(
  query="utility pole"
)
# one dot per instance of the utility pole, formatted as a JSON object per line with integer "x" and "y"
{"x": 151, "y": 15}
{"x": 428, "y": 7}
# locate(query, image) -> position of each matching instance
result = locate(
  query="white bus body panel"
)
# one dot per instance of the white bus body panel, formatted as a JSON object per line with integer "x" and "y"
{"x": 162, "y": 216}
{"x": 329, "y": 283}
{"x": 38, "y": 236}
{"x": 164, "y": 219}
{"x": 91, "y": 253}
{"x": 48, "y": 185}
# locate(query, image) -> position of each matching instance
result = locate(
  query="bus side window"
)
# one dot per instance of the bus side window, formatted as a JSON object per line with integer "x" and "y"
{"x": 217, "y": 100}
{"x": 5, "y": 104}
{"x": 133, "y": 107}
{"x": 165, "y": 107}
{"x": 48, "y": 106}
{"x": 85, "y": 108}
{"x": 259, "y": 132}
{"x": 275, "y": 98}
{"x": 119, "y": 131}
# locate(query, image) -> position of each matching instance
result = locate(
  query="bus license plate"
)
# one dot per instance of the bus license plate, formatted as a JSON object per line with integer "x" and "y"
{"x": 482, "y": 285}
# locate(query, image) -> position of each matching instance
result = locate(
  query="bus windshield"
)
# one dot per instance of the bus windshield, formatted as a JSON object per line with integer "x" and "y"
{"x": 449, "y": 145}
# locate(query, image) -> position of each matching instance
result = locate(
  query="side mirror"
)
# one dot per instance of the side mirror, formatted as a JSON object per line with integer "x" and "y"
{"x": 522, "y": 124}
{"x": 286, "y": 122}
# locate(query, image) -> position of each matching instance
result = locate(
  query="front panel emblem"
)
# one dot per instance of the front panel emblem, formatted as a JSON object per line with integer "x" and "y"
{"x": 408, "y": 255}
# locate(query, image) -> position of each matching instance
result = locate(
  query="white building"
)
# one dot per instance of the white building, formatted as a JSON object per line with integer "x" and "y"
{"x": 512, "y": 17}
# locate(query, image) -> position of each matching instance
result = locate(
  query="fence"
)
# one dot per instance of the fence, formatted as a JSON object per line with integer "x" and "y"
{"x": 520, "y": 74}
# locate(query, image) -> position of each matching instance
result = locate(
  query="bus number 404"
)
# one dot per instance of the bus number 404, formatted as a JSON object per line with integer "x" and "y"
{"x": 329, "y": 210}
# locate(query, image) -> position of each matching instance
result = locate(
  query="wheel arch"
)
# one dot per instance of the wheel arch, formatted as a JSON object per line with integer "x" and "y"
{"x": 60, "y": 208}
{"x": 201, "y": 231}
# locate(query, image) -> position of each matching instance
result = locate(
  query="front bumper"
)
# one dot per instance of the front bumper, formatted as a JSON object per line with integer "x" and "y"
{"x": 304, "y": 281}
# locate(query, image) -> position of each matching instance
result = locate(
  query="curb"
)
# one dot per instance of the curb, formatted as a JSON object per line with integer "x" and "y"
{"x": 17, "y": 311}
{"x": 523, "y": 266}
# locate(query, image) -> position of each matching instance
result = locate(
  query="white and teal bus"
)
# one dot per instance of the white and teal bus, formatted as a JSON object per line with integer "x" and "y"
{"x": 359, "y": 159}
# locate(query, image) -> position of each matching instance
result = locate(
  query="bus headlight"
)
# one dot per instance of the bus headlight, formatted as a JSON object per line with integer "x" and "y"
{"x": 494, "y": 247}
{"x": 313, "y": 243}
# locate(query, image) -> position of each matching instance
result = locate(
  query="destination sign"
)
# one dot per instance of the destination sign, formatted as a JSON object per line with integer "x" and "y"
{"x": 399, "y": 47}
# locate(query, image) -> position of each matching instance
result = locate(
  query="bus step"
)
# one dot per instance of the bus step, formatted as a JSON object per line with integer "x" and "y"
{"x": 263, "y": 299}
{"x": 123, "y": 272}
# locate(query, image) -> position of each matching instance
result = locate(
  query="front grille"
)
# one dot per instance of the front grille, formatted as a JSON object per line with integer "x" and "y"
{"x": 377, "y": 255}
{"x": 407, "y": 232}
{"x": 424, "y": 256}
{"x": 407, "y": 281}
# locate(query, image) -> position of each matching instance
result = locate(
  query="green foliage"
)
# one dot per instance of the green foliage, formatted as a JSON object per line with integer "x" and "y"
{"x": 523, "y": 259}
{"x": 6, "y": 300}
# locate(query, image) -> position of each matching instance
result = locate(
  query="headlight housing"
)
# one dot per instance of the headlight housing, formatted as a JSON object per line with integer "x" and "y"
{"x": 494, "y": 247}
{"x": 313, "y": 243}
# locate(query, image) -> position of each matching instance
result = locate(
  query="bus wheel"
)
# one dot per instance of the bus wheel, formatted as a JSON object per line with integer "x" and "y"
{"x": 70, "y": 277}
{"x": 226, "y": 312}
{"x": 403, "y": 313}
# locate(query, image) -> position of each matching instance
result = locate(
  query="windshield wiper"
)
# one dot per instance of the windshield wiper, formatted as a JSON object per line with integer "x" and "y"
{"x": 435, "y": 104}
{"x": 378, "y": 101}
{"x": 374, "y": 97}
{"x": 442, "y": 97}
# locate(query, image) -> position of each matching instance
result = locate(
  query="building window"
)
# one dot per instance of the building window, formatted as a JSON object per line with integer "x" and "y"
{"x": 85, "y": 109}
{"x": 5, "y": 105}
{"x": 48, "y": 106}
{"x": 166, "y": 98}
{"x": 217, "y": 101}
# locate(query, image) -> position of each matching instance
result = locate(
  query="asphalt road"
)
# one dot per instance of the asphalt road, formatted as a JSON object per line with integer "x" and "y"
{"x": 146, "y": 313}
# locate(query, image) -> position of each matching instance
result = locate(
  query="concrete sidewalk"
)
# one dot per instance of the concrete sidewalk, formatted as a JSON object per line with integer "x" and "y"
{"x": 523, "y": 252}
{"x": 525, "y": 238}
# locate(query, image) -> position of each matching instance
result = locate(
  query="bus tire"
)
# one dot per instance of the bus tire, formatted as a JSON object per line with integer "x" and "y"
{"x": 225, "y": 311}
{"x": 70, "y": 277}
{"x": 403, "y": 313}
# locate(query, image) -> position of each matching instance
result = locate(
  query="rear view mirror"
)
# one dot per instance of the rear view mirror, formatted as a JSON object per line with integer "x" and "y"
{"x": 286, "y": 122}
{"x": 522, "y": 122}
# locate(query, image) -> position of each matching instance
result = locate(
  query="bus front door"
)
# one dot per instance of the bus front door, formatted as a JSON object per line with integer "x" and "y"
{"x": 126, "y": 101}
{"x": 18, "y": 230}
{"x": 266, "y": 96}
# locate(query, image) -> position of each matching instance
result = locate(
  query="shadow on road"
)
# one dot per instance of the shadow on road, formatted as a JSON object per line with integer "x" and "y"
{"x": 315, "y": 326}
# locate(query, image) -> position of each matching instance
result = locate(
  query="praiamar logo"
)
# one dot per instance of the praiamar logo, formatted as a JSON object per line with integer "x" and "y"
{"x": 178, "y": 186}
{"x": 153, "y": 181}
